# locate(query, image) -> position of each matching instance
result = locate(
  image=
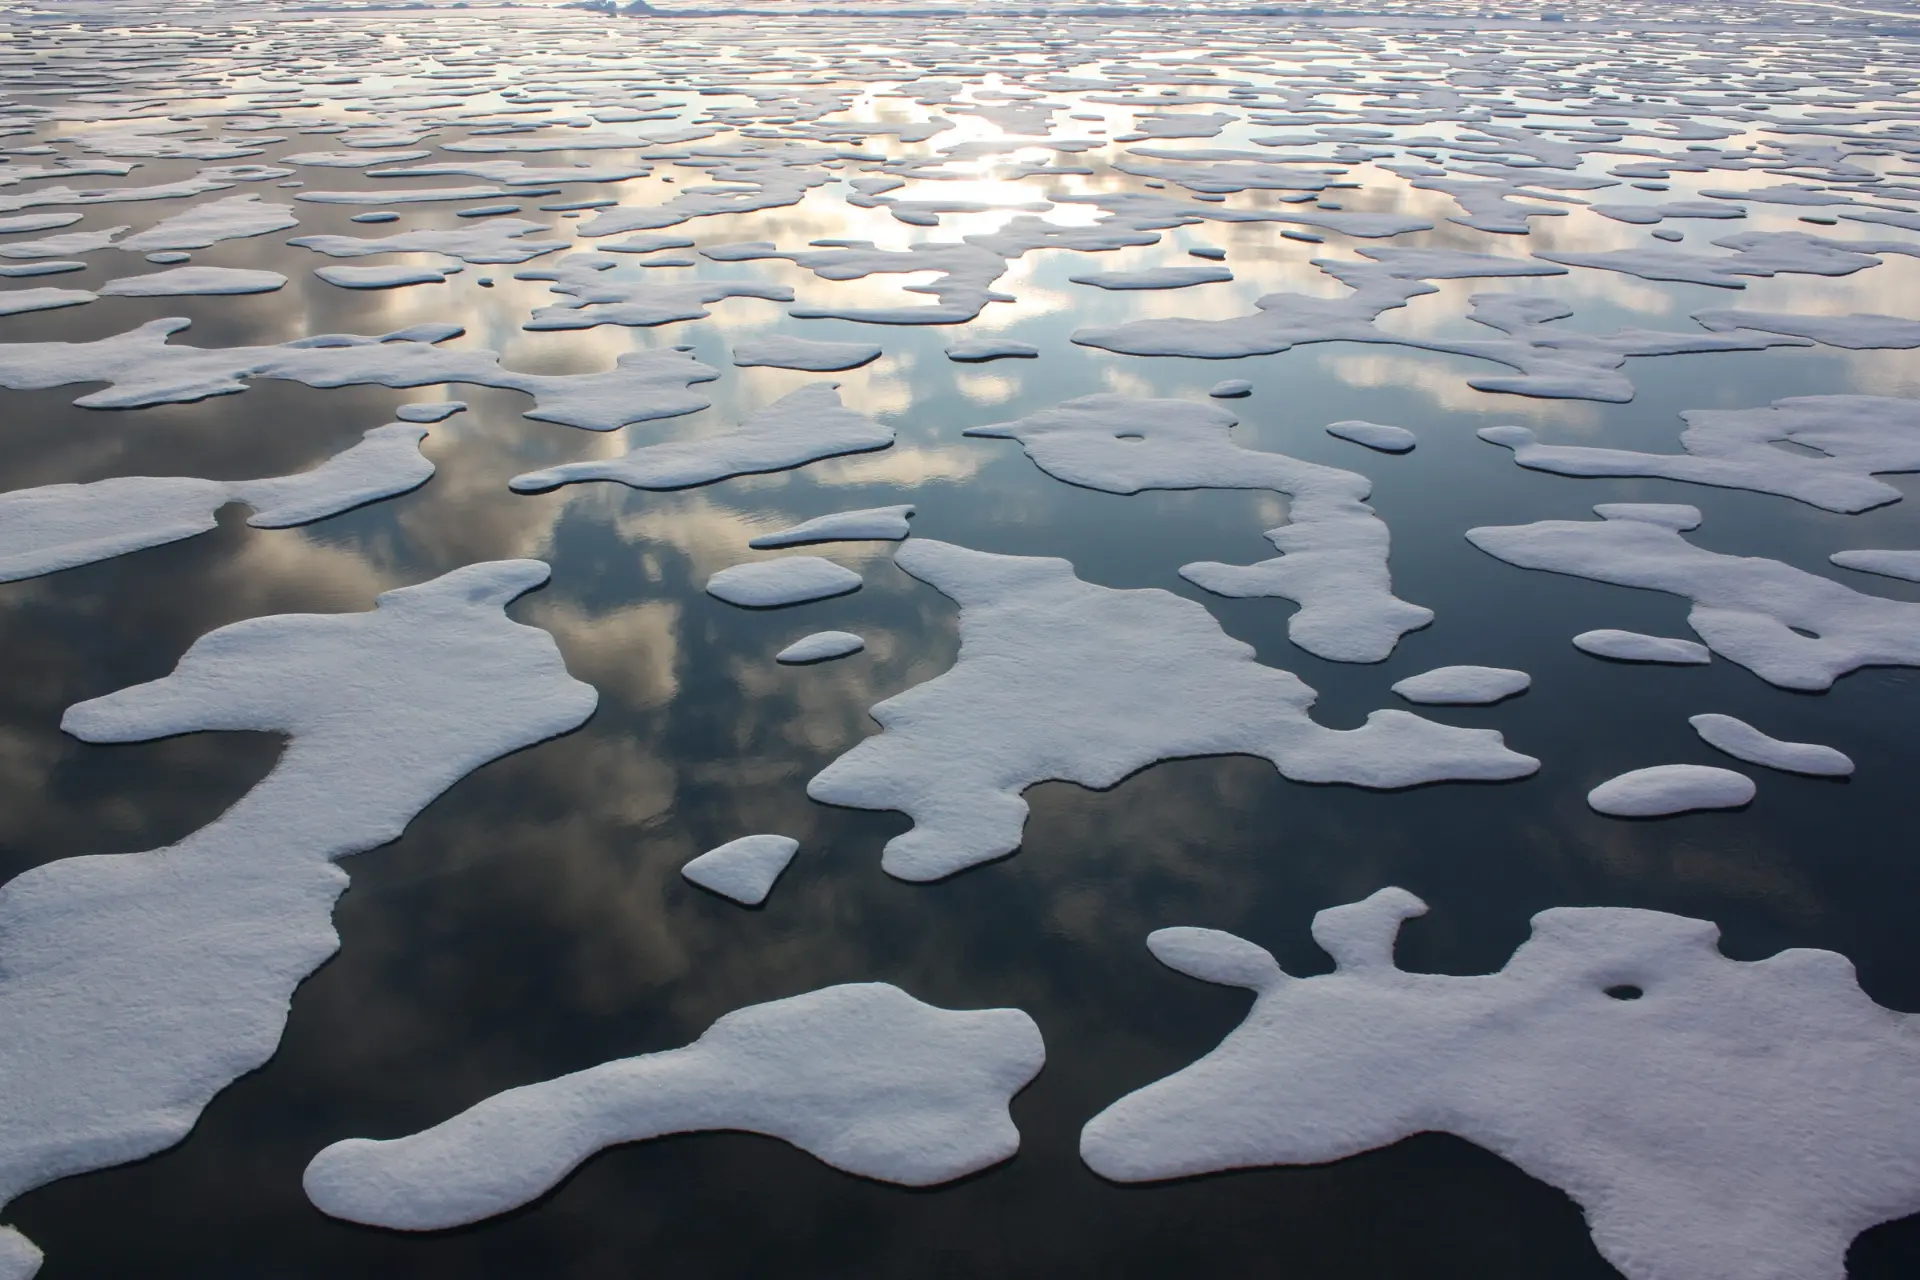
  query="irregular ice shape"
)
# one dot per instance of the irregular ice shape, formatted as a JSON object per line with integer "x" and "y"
{"x": 28, "y": 269}
{"x": 1890, "y": 564}
{"x": 801, "y": 427}
{"x": 773, "y": 584}
{"x": 1062, "y": 679}
{"x": 1789, "y": 627}
{"x": 821, "y": 646}
{"x": 1374, "y": 435}
{"x": 63, "y": 526}
{"x": 869, "y": 524}
{"x": 385, "y": 276}
{"x": 430, "y": 410}
{"x": 1335, "y": 548}
{"x": 407, "y": 195}
{"x": 134, "y": 987}
{"x": 1744, "y": 742}
{"x": 1854, "y": 332}
{"x": 1463, "y": 686}
{"x": 1735, "y": 1121}
{"x": 1632, "y": 646}
{"x": 497, "y": 240}
{"x": 61, "y": 246}
{"x": 743, "y": 869}
{"x": 205, "y": 225}
{"x": 1667, "y": 789}
{"x": 782, "y": 352}
{"x": 980, "y": 350}
{"x": 22, "y": 222}
{"x": 193, "y": 281}
{"x": 596, "y": 299}
{"x": 141, "y": 368}
{"x": 1179, "y": 277}
{"x": 1231, "y": 389}
{"x": 862, "y": 1076}
{"x": 14, "y": 302}
{"x": 1855, "y": 436}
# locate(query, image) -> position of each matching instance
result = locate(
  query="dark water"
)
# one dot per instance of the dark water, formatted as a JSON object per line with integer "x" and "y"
{"x": 533, "y": 921}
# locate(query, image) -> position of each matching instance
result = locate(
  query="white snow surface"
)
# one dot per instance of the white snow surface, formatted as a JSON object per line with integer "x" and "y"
{"x": 1177, "y": 277}
{"x": 862, "y": 1076}
{"x": 205, "y": 225}
{"x": 1062, "y": 679}
{"x": 136, "y": 986}
{"x": 1231, "y": 389}
{"x": 981, "y": 350}
{"x": 393, "y": 275}
{"x": 1634, "y": 646}
{"x": 1737, "y": 1121}
{"x": 1856, "y": 436}
{"x": 1374, "y": 435}
{"x": 869, "y": 524}
{"x": 821, "y": 646}
{"x": 801, "y": 427}
{"x": 1744, "y": 742}
{"x": 1746, "y": 608}
{"x": 772, "y": 584}
{"x": 1666, "y": 789}
{"x": 779, "y": 351}
{"x": 1888, "y": 564}
{"x": 1334, "y": 548}
{"x": 62, "y": 526}
{"x": 193, "y": 281}
{"x": 14, "y": 302}
{"x": 743, "y": 869}
{"x": 1463, "y": 686}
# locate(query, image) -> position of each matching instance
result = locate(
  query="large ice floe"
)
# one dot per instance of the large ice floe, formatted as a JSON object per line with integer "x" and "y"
{"x": 1845, "y": 441}
{"x": 774, "y": 584}
{"x": 1334, "y": 548}
{"x": 1791, "y": 628}
{"x": 1715, "y": 1119}
{"x": 801, "y": 427}
{"x": 1662, "y": 790}
{"x": 136, "y": 986}
{"x": 1063, "y": 679}
{"x": 62, "y": 526}
{"x": 862, "y": 1076}
{"x": 1744, "y": 742}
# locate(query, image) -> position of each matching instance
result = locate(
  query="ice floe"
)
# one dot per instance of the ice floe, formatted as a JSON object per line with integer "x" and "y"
{"x": 821, "y": 646}
{"x": 1744, "y": 742}
{"x": 1889, "y": 564}
{"x": 16, "y": 302}
{"x": 1667, "y": 789}
{"x": 1463, "y": 686}
{"x": 743, "y": 869}
{"x": 862, "y": 1076}
{"x": 801, "y": 427}
{"x": 1374, "y": 435}
{"x": 1180, "y": 277}
{"x": 134, "y": 987}
{"x": 782, "y": 352}
{"x": 180, "y": 282}
{"x": 596, "y": 297}
{"x": 1633, "y": 646}
{"x": 981, "y": 350}
{"x": 1789, "y": 627}
{"x": 869, "y": 524}
{"x": 1715, "y": 1119}
{"x": 1062, "y": 679}
{"x": 1231, "y": 389}
{"x": 1334, "y": 548}
{"x": 772, "y": 584}
{"x": 204, "y": 225}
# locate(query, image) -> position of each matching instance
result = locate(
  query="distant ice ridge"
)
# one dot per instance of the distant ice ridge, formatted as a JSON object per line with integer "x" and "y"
{"x": 1789, "y": 627}
{"x": 62, "y": 526}
{"x": 1855, "y": 437}
{"x": 1062, "y": 679}
{"x": 862, "y": 1076}
{"x": 134, "y": 987}
{"x": 1335, "y": 548}
{"x": 1715, "y": 1119}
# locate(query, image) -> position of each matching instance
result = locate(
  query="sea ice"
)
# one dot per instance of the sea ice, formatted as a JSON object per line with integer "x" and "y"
{"x": 14, "y": 302}
{"x": 205, "y": 225}
{"x": 596, "y": 298}
{"x": 1889, "y": 564}
{"x": 179, "y": 282}
{"x": 802, "y": 426}
{"x": 862, "y": 1076}
{"x": 1667, "y": 789}
{"x": 782, "y": 352}
{"x": 1715, "y": 1119}
{"x": 1374, "y": 435}
{"x": 1789, "y": 627}
{"x": 1179, "y": 277}
{"x": 821, "y": 646}
{"x": 430, "y": 410}
{"x": 869, "y": 524}
{"x": 981, "y": 350}
{"x": 1853, "y": 437}
{"x": 134, "y": 987}
{"x": 1852, "y": 332}
{"x": 386, "y": 275}
{"x": 1744, "y": 742}
{"x": 1334, "y": 561}
{"x": 1231, "y": 389}
{"x": 1463, "y": 686}
{"x": 1632, "y": 646}
{"x": 1062, "y": 679}
{"x": 63, "y": 526}
{"x": 497, "y": 240}
{"x": 743, "y": 869}
{"x": 773, "y": 584}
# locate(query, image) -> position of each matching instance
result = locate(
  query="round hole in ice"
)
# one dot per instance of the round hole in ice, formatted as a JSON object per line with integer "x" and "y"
{"x": 1625, "y": 991}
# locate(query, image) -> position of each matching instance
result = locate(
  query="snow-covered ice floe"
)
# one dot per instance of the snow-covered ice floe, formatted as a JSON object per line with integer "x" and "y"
{"x": 869, "y": 524}
{"x": 1744, "y": 742}
{"x": 743, "y": 869}
{"x": 772, "y": 584}
{"x": 1663, "y": 790}
{"x": 862, "y": 1076}
{"x": 821, "y": 646}
{"x": 1463, "y": 686}
{"x": 1634, "y": 646}
{"x": 1715, "y": 1119}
